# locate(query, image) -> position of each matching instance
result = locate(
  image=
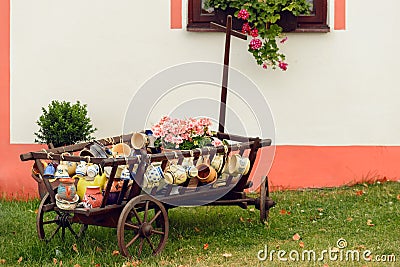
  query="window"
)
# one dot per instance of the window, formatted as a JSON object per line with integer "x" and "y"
{"x": 199, "y": 17}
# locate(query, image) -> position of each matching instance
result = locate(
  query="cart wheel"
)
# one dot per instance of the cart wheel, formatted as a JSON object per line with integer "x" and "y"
{"x": 144, "y": 221}
{"x": 265, "y": 202}
{"x": 49, "y": 222}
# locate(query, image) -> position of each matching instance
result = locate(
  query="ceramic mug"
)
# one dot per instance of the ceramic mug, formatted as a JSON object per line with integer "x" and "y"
{"x": 191, "y": 171}
{"x": 121, "y": 150}
{"x": 61, "y": 171}
{"x": 126, "y": 174}
{"x": 92, "y": 170}
{"x": 153, "y": 174}
{"x": 238, "y": 165}
{"x": 218, "y": 163}
{"x": 175, "y": 174}
{"x": 206, "y": 173}
{"x": 49, "y": 171}
{"x": 81, "y": 169}
{"x": 139, "y": 140}
{"x": 71, "y": 167}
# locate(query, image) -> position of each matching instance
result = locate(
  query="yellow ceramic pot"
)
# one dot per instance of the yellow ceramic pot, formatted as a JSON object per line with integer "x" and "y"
{"x": 99, "y": 180}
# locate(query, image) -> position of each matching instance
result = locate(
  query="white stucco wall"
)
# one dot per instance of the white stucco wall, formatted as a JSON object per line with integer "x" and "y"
{"x": 341, "y": 87}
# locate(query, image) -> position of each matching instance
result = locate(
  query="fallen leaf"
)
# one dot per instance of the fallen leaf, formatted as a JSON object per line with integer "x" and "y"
{"x": 75, "y": 248}
{"x": 2, "y": 261}
{"x": 60, "y": 264}
{"x": 288, "y": 213}
{"x": 97, "y": 265}
{"x": 77, "y": 265}
{"x": 54, "y": 261}
{"x": 227, "y": 255}
{"x": 36, "y": 211}
{"x": 196, "y": 229}
{"x": 326, "y": 265}
{"x": 20, "y": 259}
{"x": 99, "y": 249}
{"x": 115, "y": 253}
{"x": 369, "y": 223}
{"x": 282, "y": 212}
{"x": 398, "y": 197}
{"x": 320, "y": 209}
{"x": 205, "y": 246}
{"x": 296, "y": 237}
{"x": 349, "y": 219}
{"x": 359, "y": 193}
{"x": 301, "y": 244}
{"x": 241, "y": 219}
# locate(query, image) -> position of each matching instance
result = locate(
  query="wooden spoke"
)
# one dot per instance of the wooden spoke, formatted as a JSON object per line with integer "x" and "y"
{"x": 54, "y": 233}
{"x": 136, "y": 215}
{"x": 155, "y": 217}
{"x": 146, "y": 211}
{"x": 133, "y": 240}
{"x": 157, "y": 232}
{"x": 51, "y": 221}
{"x": 72, "y": 231}
{"x": 151, "y": 244}
{"x": 132, "y": 226}
{"x": 140, "y": 246}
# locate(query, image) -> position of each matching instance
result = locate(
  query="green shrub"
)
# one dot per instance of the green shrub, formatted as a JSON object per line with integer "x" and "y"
{"x": 64, "y": 124}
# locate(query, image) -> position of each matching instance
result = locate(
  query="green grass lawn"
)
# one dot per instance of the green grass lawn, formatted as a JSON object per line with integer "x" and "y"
{"x": 366, "y": 216}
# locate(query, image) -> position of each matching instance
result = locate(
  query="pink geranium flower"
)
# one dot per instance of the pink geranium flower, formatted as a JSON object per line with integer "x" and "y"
{"x": 246, "y": 28}
{"x": 283, "y": 65}
{"x": 243, "y": 14}
{"x": 255, "y": 44}
{"x": 254, "y": 32}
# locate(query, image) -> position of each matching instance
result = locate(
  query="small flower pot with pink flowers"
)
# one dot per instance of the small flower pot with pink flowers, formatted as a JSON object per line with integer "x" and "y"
{"x": 264, "y": 21}
{"x": 183, "y": 134}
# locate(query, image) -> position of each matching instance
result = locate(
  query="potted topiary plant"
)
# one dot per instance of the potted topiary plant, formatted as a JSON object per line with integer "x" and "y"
{"x": 263, "y": 21}
{"x": 63, "y": 124}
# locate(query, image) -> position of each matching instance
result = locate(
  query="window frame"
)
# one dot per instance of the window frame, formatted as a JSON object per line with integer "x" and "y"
{"x": 316, "y": 22}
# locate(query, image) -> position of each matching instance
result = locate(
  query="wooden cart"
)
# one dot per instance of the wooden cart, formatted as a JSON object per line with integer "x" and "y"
{"x": 141, "y": 216}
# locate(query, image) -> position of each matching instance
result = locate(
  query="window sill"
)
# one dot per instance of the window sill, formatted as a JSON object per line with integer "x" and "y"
{"x": 204, "y": 28}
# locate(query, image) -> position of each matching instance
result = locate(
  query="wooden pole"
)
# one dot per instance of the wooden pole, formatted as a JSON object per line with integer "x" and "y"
{"x": 224, "y": 90}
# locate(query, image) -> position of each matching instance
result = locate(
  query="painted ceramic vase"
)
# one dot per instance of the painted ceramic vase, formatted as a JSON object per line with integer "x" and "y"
{"x": 93, "y": 196}
{"x": 66, "y": 189}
